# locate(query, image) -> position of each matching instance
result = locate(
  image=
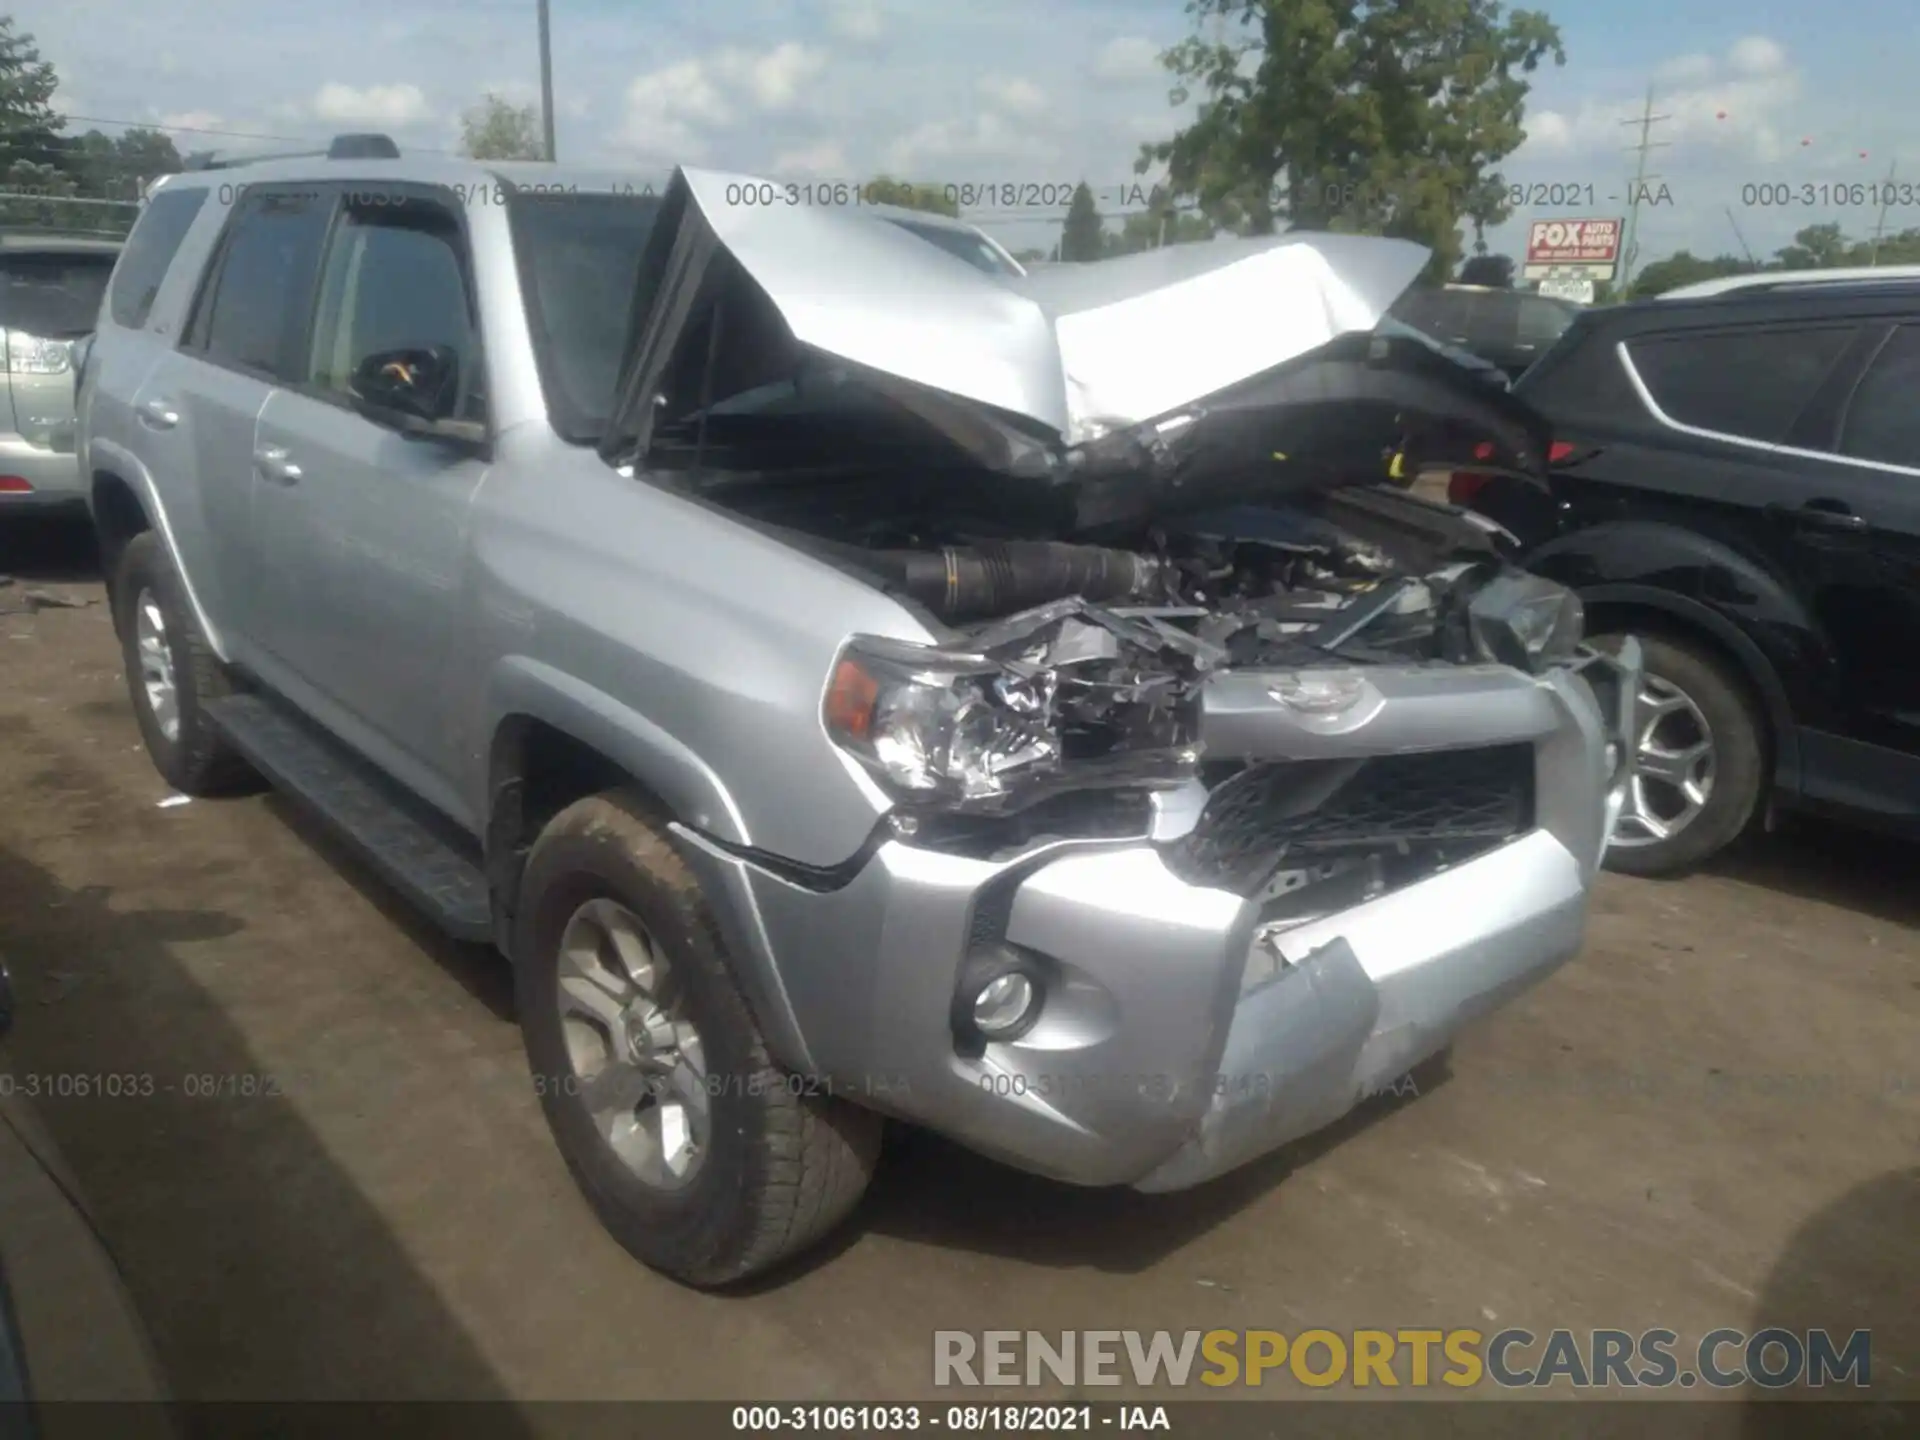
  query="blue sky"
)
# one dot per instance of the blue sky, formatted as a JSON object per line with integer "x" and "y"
{"x": 1028, "y": 91}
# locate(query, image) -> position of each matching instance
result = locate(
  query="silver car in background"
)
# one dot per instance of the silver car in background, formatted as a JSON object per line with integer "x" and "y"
{"x": 50, "y": 292}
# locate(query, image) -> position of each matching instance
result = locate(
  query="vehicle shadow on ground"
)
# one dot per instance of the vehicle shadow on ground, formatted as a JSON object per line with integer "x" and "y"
{"x": 56, "y": 549}
{"x": 480, "y": 969}
{"x": 1854, "y": 1265}
{"x": 1833, "y": 864}
{"x": 931, "y": 1191}
{"x": 226, "y": 1212}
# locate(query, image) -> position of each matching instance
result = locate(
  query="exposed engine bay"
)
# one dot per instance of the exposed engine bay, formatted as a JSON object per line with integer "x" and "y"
{"x": 1075, "y": 666}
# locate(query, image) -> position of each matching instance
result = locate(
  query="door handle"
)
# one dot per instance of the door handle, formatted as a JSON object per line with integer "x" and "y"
{"x": 1822, "y": 515}
{"x": 159, "y": 414}
{"x": 273, "y": 464}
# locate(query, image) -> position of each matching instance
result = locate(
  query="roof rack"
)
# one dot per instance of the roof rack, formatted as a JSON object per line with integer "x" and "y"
{"x": 342, "y": 147}
{"x": 1794, "y": 280}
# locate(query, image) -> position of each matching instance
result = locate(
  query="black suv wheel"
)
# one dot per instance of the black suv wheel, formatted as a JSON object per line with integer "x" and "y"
{"x": 1700, "y": 758}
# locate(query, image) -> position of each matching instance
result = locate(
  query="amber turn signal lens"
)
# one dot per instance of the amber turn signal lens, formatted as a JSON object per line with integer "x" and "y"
{"x": 850, "y": 701}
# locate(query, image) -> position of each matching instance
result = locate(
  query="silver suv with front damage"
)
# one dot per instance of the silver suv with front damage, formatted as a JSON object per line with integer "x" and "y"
{"x": 847, "y": 684}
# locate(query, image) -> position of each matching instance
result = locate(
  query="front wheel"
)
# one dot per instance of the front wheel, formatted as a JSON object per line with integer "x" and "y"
{"x": 1699, "y": 757}
{"x": 699, "y": 1154}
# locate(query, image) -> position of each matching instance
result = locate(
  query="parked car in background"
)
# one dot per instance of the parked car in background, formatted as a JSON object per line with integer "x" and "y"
{"x": 51, "y": 287}
{"x": 1736, "y": 480}
{"x": 1507, "y": 328}
{"x": 847, "y": 684}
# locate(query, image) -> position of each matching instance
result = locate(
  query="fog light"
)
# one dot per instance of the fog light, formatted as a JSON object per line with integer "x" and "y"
{"x": 998, "y": 997}
{"x": 1003, "y": 1005}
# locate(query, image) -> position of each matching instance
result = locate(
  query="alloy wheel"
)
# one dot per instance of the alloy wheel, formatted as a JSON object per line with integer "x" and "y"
{"x": 156, "y": 664}
{"x": 1674, "y": 769}
{"x": 638, "y": 1064}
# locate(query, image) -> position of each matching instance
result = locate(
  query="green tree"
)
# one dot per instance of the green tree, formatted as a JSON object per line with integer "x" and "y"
{"x": 1380, "y": 116}
{"x": 1083, "y": 235}
{"x": 1686, "y": 268}
{"x": 935, "y": 199}
{"x": 1818, "y": 247}
{"x": 1161, "y": 223}
{"x": 118, "y": 166}
{"x": 1900, "y": 248}
{"x": 29, "y": 126}
{"x": 497, "y": 130}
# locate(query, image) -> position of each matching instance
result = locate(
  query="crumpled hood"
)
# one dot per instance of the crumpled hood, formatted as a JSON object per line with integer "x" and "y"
{"x": 1084, "y": 353}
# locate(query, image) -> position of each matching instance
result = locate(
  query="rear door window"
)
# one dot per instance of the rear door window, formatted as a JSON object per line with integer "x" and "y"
{"x": 1751, "y": 384}
{"x": 254, "y": 315}
{"x": 1883, "y": 416}
{"x": 149, "y": 252}
{"x": 53, "y": 294}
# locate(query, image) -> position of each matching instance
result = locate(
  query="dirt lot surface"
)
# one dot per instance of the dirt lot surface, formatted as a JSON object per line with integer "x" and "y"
{"x": 1712, "y": 1118}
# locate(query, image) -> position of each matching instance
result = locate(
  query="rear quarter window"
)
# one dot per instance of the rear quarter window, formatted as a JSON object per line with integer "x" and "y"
{"x": 149, "y": 251}
{"x": 1749, "y": 383}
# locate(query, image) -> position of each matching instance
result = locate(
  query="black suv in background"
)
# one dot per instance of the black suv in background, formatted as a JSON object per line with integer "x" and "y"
{"x": 1507, "y": 328}
{"x": 1736, "y": 480}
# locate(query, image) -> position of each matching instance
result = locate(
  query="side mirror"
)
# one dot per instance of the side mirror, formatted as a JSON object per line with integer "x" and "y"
{"x": 419, "y": 384}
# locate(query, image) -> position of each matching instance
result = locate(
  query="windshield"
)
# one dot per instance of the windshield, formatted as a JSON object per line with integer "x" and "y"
{"x": 52, "y": 294}
{"x": 975, "y": 249}
{"x": 579, "y": 256}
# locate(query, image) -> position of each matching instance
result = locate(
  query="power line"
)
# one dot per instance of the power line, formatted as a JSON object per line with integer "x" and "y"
{"x": 197, "y": 130}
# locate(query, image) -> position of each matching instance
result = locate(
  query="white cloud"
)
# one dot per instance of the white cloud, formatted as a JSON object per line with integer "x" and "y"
{"x": 776, "y": 78}
{"x": 1013, "y": 94}
{"x": 1757, "y": 55}
{"x": 670, "y": 111}
{"x": 1740, "y": 102}
{"x": 377, "y": 104}
{"x": 1128, "y": 57}
{"x": 856, "y": 19}
{"x": 825, "y": 158}
{"x": 668, "y": 108}
{"x": 1685, "y": 70}
{"x": 986, "y": 136}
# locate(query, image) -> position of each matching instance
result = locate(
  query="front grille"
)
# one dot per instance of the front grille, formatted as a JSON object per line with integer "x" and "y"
{"x": 1457, "y": 802}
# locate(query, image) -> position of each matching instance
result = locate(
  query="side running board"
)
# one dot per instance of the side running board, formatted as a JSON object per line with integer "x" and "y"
{"x": 418, "y": 853}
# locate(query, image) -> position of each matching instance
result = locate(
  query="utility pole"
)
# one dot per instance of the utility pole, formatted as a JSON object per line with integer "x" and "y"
{"x": 546, "y": 80}
{"x": 1630, "y": 250}
{"x": 1880, "y": 225}
{"x": 1745, "y": 249}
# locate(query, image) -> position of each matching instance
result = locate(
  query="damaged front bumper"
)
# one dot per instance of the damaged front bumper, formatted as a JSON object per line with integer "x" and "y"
{"x": 1188, "y": 1025}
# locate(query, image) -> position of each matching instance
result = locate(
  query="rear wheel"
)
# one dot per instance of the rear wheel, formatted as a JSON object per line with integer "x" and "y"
{"x": 701, "y": 1156}
{"x": 172, "y": 674}
{"x": 1700, "y": 761}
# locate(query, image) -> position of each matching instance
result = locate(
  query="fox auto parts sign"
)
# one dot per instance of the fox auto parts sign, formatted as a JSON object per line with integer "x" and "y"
{"x": 1593, "y": 245}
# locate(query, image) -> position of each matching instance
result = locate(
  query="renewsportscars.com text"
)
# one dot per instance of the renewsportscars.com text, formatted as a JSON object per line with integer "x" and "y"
{"x": 1770, "y": 1358}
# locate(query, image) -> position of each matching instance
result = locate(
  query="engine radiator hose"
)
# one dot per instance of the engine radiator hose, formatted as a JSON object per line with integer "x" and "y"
{"x": 1000, "y": 577}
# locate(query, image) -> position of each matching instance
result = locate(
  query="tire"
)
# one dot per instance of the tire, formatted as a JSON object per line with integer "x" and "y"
{"x": 1734, "y": 728}
{"x": 194, "y": 758}
{"x": 781, "y": 1164}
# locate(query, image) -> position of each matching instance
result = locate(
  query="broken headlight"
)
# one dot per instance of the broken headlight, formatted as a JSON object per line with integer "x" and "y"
{"x": 1524, "y": 621}
{"x": 944, "y": 726}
